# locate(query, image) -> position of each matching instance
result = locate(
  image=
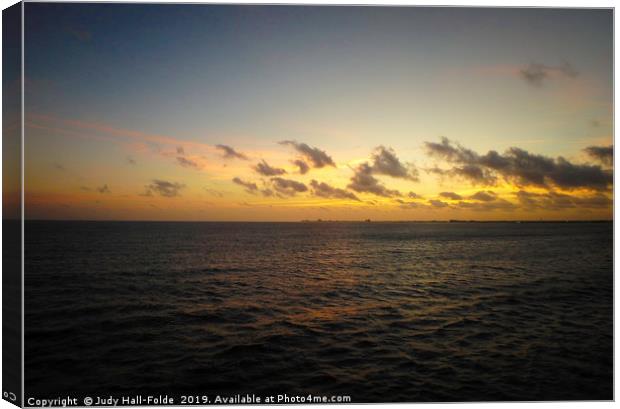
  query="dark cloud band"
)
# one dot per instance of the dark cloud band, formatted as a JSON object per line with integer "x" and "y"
{"x": 519, "y": 167}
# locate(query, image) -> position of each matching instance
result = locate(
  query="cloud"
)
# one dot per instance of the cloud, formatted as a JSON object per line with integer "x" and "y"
{"x": 317, "y": 157}
{"x": 264, "y": 169}
{"x": 603, "y": 154}
{"x": 385, "y": 162}
{"x": 413, "y": 195}
{"x": 214, "y": 192}
{"x": 485, "y": 201}
{"x": 567, "y": 175}
{"x": 267, "y": 192}
{"x": 483, "y": 196}
{"x": 324, "y": 190}
{"x": 472, "y": 173}
{"x": 597, "y": 200}
{"x": 362, "y": 181}
{"x": 535, "y": 73}
{"x": 495, "y": 204}
{"x": 438, "y": 204}
{"x": 475, "y": 174}
{"x": 567, "y": 69}
{"x": 230, "y": 153}
{"x": 187, "y": 163}
{"x": 103, "y": 189}
{"x": 558, "y": 201}
{"x": 249, "y": 186}
{"x": 409, "y": 205}
{"x": 519, "y": 167}
{"x": 550, "y": 201}
{"x": 450, "y": 195}
{"x": 488, "y": 201}
{"x": 164, "y": 188}
{"x": 183, "y": 161}
{"x": 450, "y": 152}
{"x": 303, "y": 166}
{"x": 99, "y": 131}
{"x": 288, "y": 187}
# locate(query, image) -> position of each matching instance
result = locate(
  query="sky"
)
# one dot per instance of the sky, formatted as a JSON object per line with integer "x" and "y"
{"x": 287, "y": 113}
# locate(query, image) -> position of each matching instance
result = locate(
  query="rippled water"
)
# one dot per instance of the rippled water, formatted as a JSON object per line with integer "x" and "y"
{"x": 377, "y": 311}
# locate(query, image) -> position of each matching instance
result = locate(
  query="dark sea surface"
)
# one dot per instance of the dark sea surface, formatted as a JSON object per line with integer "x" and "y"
{"x": 382, "y": 312}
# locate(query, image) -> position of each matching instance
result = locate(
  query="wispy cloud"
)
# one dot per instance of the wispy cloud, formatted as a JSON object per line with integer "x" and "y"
{"x": 488, "y": 206}
{"x": 558, "y": 201}
{"x": 250, "y": 187}
{"x": 322, "y": 189}
{"x": 438, "y": 203}
{"x": 164, "y": 188}
{"x": 230, "y": 153}
{"x": 450, "y": 196}
{"x": 288, "y": 187}
{"x": 409, "y": 204}
{"x": 214, "y": 192}
{"x": 483, "y": 196}
{"x": 187, "y": 163}
{"x": 535, "y": 74}
{"x": 413, "y": 195}
{"x": 264, "y": 169}
{"x": 72, "y": 126}
{"x": 267, "y": 192}
{"x": 317, "y": 157}
{"x": 103, "y": 189}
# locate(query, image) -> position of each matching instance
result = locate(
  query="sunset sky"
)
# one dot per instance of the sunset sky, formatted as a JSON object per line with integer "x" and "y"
{"x": 199, "y": 112}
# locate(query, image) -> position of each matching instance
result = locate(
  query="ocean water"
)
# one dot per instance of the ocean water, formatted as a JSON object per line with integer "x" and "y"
{"x": 381, "y": 312}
